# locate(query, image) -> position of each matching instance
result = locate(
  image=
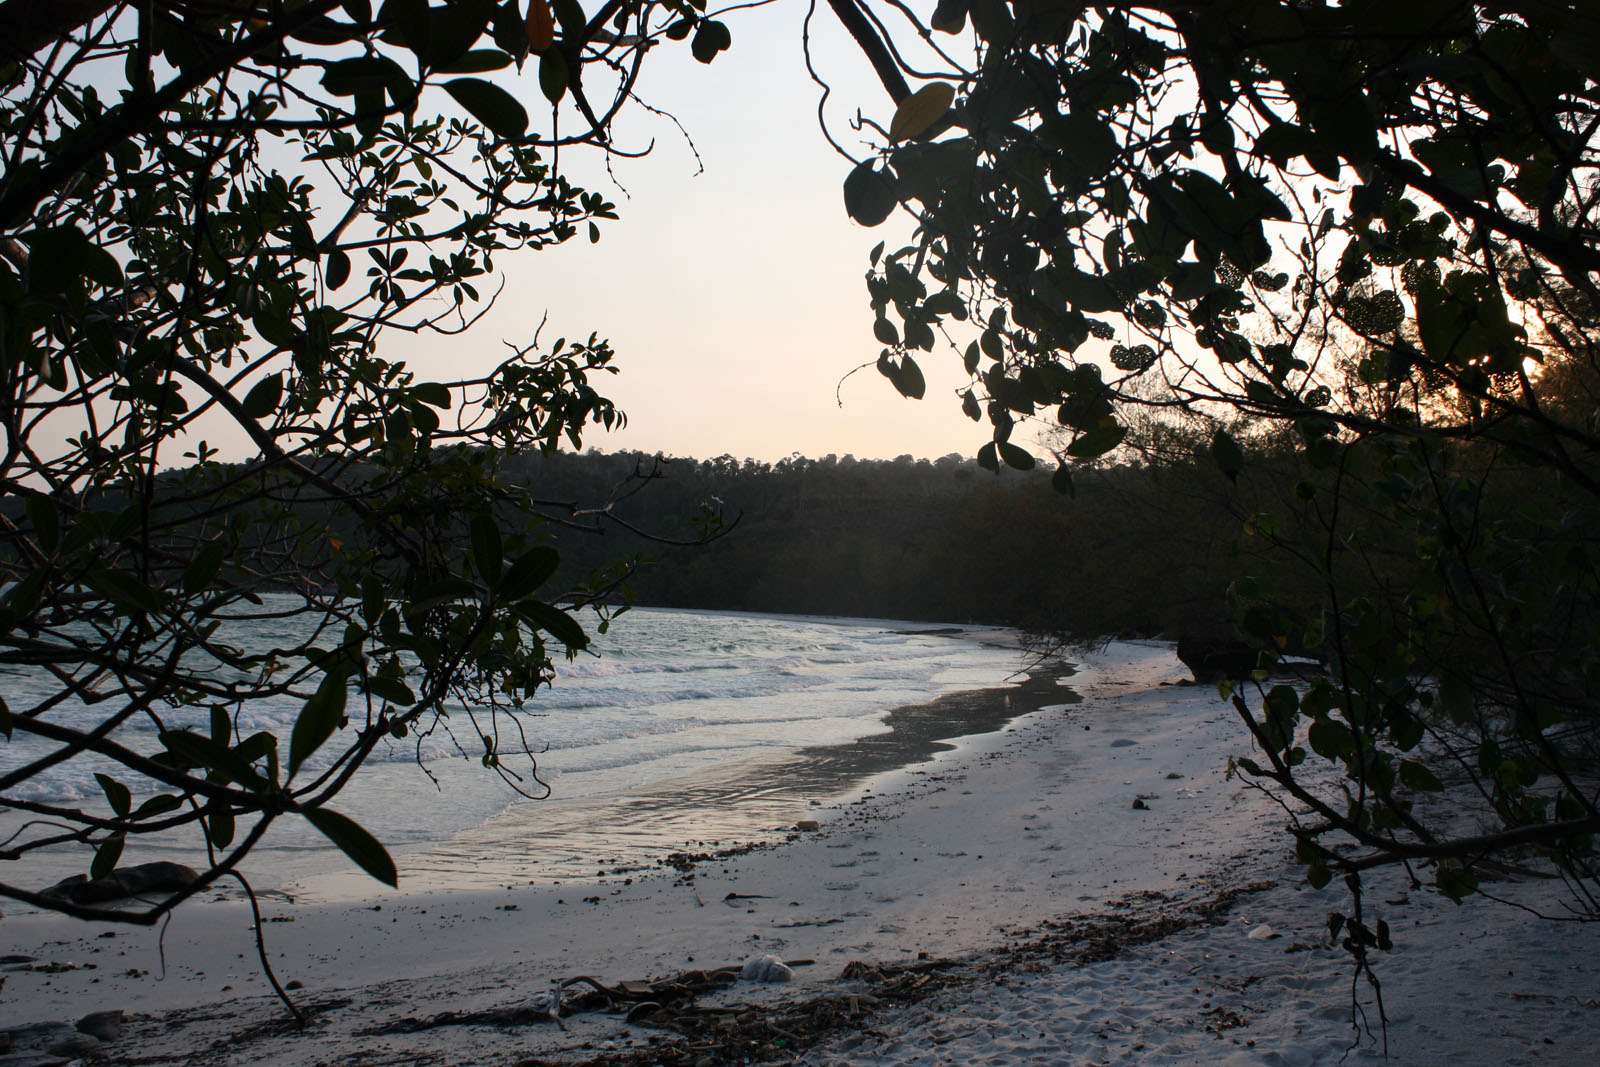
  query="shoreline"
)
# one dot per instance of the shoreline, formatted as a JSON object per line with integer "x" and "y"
{"x": 991, "y": 868}
{"x": 750, "y": 804}
{"x": 747, "y": 796}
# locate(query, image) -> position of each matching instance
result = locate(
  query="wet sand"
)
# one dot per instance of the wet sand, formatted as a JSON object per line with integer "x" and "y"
{"x": 1008, "y": 865}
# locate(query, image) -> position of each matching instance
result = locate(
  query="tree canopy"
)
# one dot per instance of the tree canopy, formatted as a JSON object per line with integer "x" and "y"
{"x": 1362, "y": 235}
{"x": 211, "y": 217}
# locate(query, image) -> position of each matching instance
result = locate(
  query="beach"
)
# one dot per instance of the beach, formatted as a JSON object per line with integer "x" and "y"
{"x": 1085, "y": 886}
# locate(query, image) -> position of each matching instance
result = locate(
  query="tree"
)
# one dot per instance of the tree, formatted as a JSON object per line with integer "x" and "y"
{"x": 1365, "y": 235}
{"x": 211, "y": 217}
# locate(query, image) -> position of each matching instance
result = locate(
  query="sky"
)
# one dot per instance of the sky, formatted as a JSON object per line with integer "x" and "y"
{"x": 734, "y": 297}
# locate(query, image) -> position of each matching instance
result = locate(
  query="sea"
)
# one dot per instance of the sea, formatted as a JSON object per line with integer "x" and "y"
{"x": 682, "y": 732}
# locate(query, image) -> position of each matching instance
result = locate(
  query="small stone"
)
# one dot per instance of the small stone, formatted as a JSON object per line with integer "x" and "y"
{"x": 766, "y": 969}
{"x": 1140, "y": 805}
{"x": 807, "y": 825}
{"x": 295, "y": 984}
{"x": 102, "y": 1025}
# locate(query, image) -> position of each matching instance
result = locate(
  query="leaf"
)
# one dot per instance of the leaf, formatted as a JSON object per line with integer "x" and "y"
{"x": 570, "y": 16}
{"x": 921, "y": 110}
{"x": 123, "y": 590}
{"x": 988, "y": 458}
{"x": 204, "y": 567}
{"x": 491, "y": 105}
{"x": 1016, "y": 457}
{"x": 220, "y": 825}
{"x": 202, "y": 751}
{"x": 321, "y": 716}
{"x": 477, "y": 61}
{"x": 869, "y": 194}
{"x": 1061, "y": 481}
{"x": 906, "y": 375}
{"x": 553, "y": 75}
{"x": 557, "y": 623}
{"x": 410, "y": 17}
{"x": 950, "y": 16}
{"x": 1228, "y": 455}
{"x": 337, "y": 271}
{"x": 969, "y": 406}
{"x": 46, "y": 519}
{"x": 529, "y": 571}
{"x": 540, "y": 25}
{"x": 106, "y": 857}
{"x": 117, "y": 794}
{"x": 1455, "y": 881}
{"x": 55, "y": 260}
{"x": 356, "y": 843}
{"x": 1415, "y": 776}
{"x": 367, "y": 79}
{"x": 434, "y": 394}
{"x": 488, "y": 552}
{"x": 393, "y": 690}
{"x": 221, "y": 725}
{"x": 263, "y": 400}
{"x": 710, "y": 38}
{"x": 1097, "y": 442}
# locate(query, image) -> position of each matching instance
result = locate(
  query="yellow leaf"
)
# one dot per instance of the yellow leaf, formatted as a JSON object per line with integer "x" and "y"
{"x": 921, "y": 110}
{"x": 541, "y": 25}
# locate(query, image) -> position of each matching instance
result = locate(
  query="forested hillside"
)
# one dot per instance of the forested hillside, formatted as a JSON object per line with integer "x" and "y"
{"x": 1137, "y": 548}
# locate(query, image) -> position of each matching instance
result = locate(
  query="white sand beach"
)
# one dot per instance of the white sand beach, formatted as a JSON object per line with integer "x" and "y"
{"x": 1005, "y": 903}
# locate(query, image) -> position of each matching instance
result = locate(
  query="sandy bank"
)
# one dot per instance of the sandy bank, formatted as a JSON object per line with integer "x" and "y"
{"x": 1005, "y": 856}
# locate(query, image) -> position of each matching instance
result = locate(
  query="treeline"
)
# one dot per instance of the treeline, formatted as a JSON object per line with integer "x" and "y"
{"x": 1136, "y": 549}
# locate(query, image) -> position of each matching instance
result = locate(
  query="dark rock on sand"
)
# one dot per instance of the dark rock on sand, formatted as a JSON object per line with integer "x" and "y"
{"x": 1212, "y": 658}
{"x": 102, "y": 1025}
{"x": 42, "y": 1045}
{"x": 159, "y": 877}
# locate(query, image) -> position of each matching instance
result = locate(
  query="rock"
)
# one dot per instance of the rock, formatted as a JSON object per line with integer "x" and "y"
{"x": 1262, "y": 933}
{"x": 159, "y": 877}
{"x": 43, "y": 1045}
{"x": 1123, "y": 742}
{"x": 1211, "y": 658}
{"x": 1140, "y": 805}
{"x": 102, "y": 1025}
{"x": 766, "y": 969}
{"x": 76, "y": 1046}
{"x": 807, "y": 825}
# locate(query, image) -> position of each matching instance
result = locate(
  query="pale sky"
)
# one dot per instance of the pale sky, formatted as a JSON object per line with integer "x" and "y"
{"x": 734, "y": 299}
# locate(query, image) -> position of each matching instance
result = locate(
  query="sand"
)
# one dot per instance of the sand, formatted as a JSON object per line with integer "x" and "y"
{"x": 1013, "y": 904}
